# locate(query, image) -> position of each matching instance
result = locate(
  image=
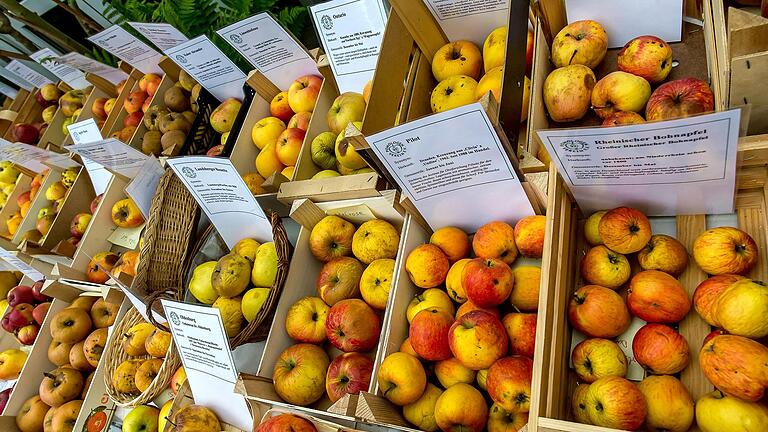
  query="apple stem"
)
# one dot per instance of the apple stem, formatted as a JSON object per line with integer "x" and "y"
{"x": 49, "y": 375}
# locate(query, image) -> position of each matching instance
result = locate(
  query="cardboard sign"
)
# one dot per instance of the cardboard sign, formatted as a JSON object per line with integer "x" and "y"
{"x": 469, "y": 20}
{"x": 203, "y": 346}
{"x": 8, "y": 90}
{"x": 224, "y": 197}
{"x": 454, "y": 160}
{"x": 270, "y": 48}
{"x": 685, "y": 166}
{"x": 34, "y": 158}
{"x": 143, "y": 187}
{"x": 113, "y": 154}
{"x": 49, "y": 60}
{"x": 351, "y": 33}
{"x": 129, "y": 49}
{"x": 16, "y": 80}
{"x": 205, "y": 62}
{"x": 88, "y": 65}
{"x": 21, "y": 266}
{"x": 27, "y": 73}
{"x": 164, "y": 36}
{"x": 628, "y": 19}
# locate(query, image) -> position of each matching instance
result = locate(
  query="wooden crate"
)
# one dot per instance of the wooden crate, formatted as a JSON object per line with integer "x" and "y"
{"x": 553, "y": 381}
{"x": 38, "y": 202}
{"x": 114, "y": 121}
{"x": 28, "y": 112}
{"x": 696, "y": 55}
{"x": 185, "y": 398}
{"x": 11, "y": 206}
{"x": 299, "y": 284}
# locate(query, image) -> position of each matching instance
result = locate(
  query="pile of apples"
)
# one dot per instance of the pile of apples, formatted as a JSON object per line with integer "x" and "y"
{"x": 135, "y": 104}
{"x": 222, "y": 120}
{"x": 279, "y": 137}
{"x": 8, "y": 177}
{"x": 190, "y": 418}
{"x": 70, "y": 104}
{"x": 238, "y": 283}
{"x": 56, "y": 194}
{"x": 79, "y": 335}
{"x": 458, "y": 65}
{"x": 51, "y": 98}
{"x": 620, "y": 97}
{"x": 729, "y": 358}
{"x": 27, "y": 308}
{"x": 135, "y": 375}
{"x": 303, "y": 373}
{"x": 286, "y": 422}
{"x": 472, "y": 350}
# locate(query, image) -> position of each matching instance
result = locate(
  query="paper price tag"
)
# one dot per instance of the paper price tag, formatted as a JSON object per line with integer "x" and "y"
{"x": 202, "y": 343}
{"x": 143, "y": 187}
{"x": 126, "y": 237}
{"x": 685, "y": 166}
{"x": 224, "y": 197}
{"x": 452, "y": 160}
{"x": 270, "y": 48}
{"x": 469, "y": 20}
{"x": 28, "y": 74}
{"x": 351, "y": 33}
{"x": 21, "y": 266}
{"x": 205, "y": 62}
{"x": 17, "y": 80}
{"x": 164, "y": 36}
{"x": 113, "y": 155}
{"x": 85, "y": 64}
{"x": 129, "y": 49}
{"x": 49, "y": 60}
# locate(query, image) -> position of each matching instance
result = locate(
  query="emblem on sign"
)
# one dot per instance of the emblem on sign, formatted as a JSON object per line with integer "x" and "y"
{"x": 327, "y": 22}
{"x": 189, "y": 172}
{"x": 395, "y": 149}
{"x": 574, "y": 146}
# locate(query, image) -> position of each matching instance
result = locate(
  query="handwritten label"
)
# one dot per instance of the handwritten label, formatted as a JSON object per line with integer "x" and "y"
{"x": 205, "y": 62}
{"x": 129, "y": 49}
{"x": 126, "y": 237}
{"x": 356, "y": 214}
{"x": 88, "y": 65}
{"x": 143, "y": 187}
{"x": 113, "y": 154}
{"x": 27, "y": 73}
{"x": 164, "y": 36}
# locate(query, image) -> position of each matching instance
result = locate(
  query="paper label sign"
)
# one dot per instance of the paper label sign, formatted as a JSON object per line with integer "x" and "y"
{"x": 143, "y": 187}
{"x": 21, "y": 266}
{"x": 351, "y": 33}
{"x": 88, "y": 65}
{"x": 454, "y": 160}
{"x": 661, "y": 18}
{"x": 199, "y": 336}
{"x": 34, "y": 158}
{"x": 100, "y": 176}
{"x": 8, "y": 90}
{"x": 113, "y": 154}
{"x": 28, "y": 74}
{"x": 164, "y": 36}
{"x": 471, "y": 20}
{"x": 16, "y": 80}
{"x": 84, "y": 132}
{"x": 224, "y": 197}
{"x": 205, "y": 62}
{"x": 129, "y": 49}
{"x": 270, "y": 49}
{"x": 48, "y": 59}
{"x": 685, "y": 166}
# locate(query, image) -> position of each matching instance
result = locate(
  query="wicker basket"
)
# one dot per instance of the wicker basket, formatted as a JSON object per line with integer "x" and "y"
{"x": 211, "y": 247}
{"x": 114, "y": 355}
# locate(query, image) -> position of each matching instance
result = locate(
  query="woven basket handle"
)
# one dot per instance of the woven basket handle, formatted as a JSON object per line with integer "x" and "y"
{"x": 154, "y": 297}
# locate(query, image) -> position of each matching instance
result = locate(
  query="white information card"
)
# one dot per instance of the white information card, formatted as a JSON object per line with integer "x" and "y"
{"x": 129, "y": 49}
{"x": 270, "y": 48}
{"x": 198, "y": 332}
{"x": 113, "y": 154}
{"x": 88, "y": 65}
{"x": 48, "y": 59}
{"x": 224, "y": 197}
{"x": 8, "y": 90}
{"x": 17, "y": 80}
{"x": 28, "y": 74}
{"x": 454, "y": 169}
{"x": 143, "y": 187}
{"x": 85, "y": 132}
{"x": 685, "y": 166}
{"x": 164, "y": 36}
{"x": 351, "y": 32}
{"x": 21, "y": 266}
{"x": 34, "y": 158}
{"x": 205, "y": 62}
{"x": 471, "y": 20}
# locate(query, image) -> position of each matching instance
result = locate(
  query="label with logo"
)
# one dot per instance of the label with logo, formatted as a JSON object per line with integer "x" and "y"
{"x": 351, "y": 33}
{"x": 88, "y": 65}
{"x": 270, "y": 48}
{"x": 113, "y": 154}
{"x": 224, "y": 197}
{"x": 685, "y": 166}
{"x": 470, "y": 20}
{"x": 48, "y": 59}
{"x": 205, "y": 62}
{"x": 454, "y": 169}
{"x": 129, "y": 49}
{"x": 164, "y": 36}
{"x": 27, "y": 73}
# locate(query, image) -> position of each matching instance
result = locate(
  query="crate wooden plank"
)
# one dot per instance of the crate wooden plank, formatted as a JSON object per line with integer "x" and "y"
{"x": 421, "y": 25}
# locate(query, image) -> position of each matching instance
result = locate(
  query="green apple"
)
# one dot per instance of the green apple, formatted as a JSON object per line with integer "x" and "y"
{"x": 8, "y": 174}
{"x": 346, "y": 154}
{"x": 252, "y": 302}
{"x": 143, "y": 418}
{"x": 326, "y": 174}
{"x": 348, "y": 107}
{"x": 264, "y": 266}
{"x": 45, "y": 211}
{"x": 322, "y": 148}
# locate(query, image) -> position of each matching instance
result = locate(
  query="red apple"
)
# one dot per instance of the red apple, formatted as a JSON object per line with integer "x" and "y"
{"x": 339, "y": 279}
{"x": 302, "y": 94}
{"x": 20, "y": 294}
{"x": 509, "y": 383}
{"x": 349, "y": 373}
{"x": 352, "y": 326}
{"x": 95, "y": 203}
{"x": 598, "y": 312}
{"x": 615, "y": 402}
{"x": 26, "y": 133}
{"x": 477, "y": 339}
{"x": 288, "y": 146}
{"x": 300, "y": 120}
{"x": 655, "y": 296}
{"x": 280, "y": 108}
{"x": 40, "y": 312}
{"x": 487, "y": 282}
{"x": 680, "y": 98}
{"x": 660, "y": 349}
{"x": 25, "y": 197}
{"x": 6, "y": 323}
{"x": 216, "y": 150}
{"x": 648, "y": 57}
{"x": 521, "y": 329}
{"x": 133, "y": 119}
{"x": 21, "y": 315}
{"x": 428, "y": 334}
{"x": 285, "y": 423}
{"x": 98, "y": 108}
{"x": 37, "y": 292}
{"x": 4, "y": 395}
{"x": 79, "y": 224}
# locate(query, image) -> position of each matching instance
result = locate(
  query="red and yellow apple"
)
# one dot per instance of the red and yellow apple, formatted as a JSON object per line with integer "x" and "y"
{"x": 597, "y": 358}
{"x": 736, "y": 366}
{"x": 521, "y": 329}
{"x": 598, "y": 312}
{"x": 725, "y": 250}
{"x": 280, "y": 108}
{"x": 509, "y": 383}
{"x": 624, "y": 230}
{"x": 614, "y": 402}
{"x": 299, "y": 374}
{"x": 648, "y": 57}
{"x": 679, "y": 99}
{"x": 660, "y": 349}
{"x": 604, "y": 267}
{"x": 487, "y": 282}
{"x": 657, "y": 297}
{"x": 461, "y": 407}
{"x": 401, "y": 378}
{"x": 427, "y": 266}
{"x": 620, "y": 91}
{"x": 495, "y": 240}
{"x": 303, "y": 93}
{"x": 349, "y": 373}
{"x": 428, "y": 334}
{"x": 477, "y": 339}
{"x": 352, "y": 326}
{"x": 670, "y": 405}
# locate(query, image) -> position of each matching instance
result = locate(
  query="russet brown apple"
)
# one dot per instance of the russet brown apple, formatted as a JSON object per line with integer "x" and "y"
{"x": 648, "y": 57}
{"x": 521, "y": 329}
{"x": 487, "y": 282}
{"x": 84, "y": 302}
{"x": 461, "y": 407}
{"x": 94, "y": 345}
{"x": 660, "y": 349}
{"x": 663, "y": 253}
{"x": 124, "y": 376}
{"x": 509, "y": 383}
{"x": 568, "y": 92}
{"x": 477, "y": 339}
{"x": 66, "y": 415}
{"x": 724, "y": 250}
{"x": 670, "y": 405}
{"x": 60, "y": 386}
{"x": 428, "y": 334}
{"x": 457, "y": 58}
{"x": 615, "y": 402}
{"x": 352, "y": 326}
{"x": 77, "y": 358}
{"x": 656, "y": 297}
{"x": 736, "y": 365}
{"x": 625, "y": 230}
{"x": 103, "y": 313}
{"x": 580, "y": 43}
{"x": 401, "y": 378}
{"x": 31, "y": 415}
{"x": 339, "y": 279}
{"x": 70, "y": 325}
{"x": 299, "y": 374}
{"x": 158, "y": 343}
{"x": 604, "y": 267}
{"x": 331, "y": 238}
{"x": 58, "y": 352}
{"x": 598, "y": 312}
{"x": 349, "y": 373}
{"x": 679, "y": 99}
{"x": 48, "y": 421}
{"x": 305, "y": 320}
{"x": 597, "y": 358}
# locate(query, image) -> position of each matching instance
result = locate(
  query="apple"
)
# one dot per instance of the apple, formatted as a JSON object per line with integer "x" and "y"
{"x": 468, "y": 307}
{"x": 656, "y": 297}
{"x": 724, "y": 250}
{"x": 450, "y": 372}
{"x": 303, "y": 93}
{"x": 40, "y": 311}
{"x": 620, "y": 118}
{"x": 376, "y": 281}
{"x": 741, "y": 309}
{"x": 597, "y": 358}
{"x": 453, "y": 281}
{"x": 346, "y": 108}
{"x": 736, "y": 366}
{"x": 620, "y": 91}
{"x": 501, "y": 420}
{"x": 580, "y": 43}
{"x": 401, "y": 378}
{"x": 525, "y": 295}
{"x": 421, "y": 413}
{"x": 323, "y": 149}
{"x": 11, "y": 362}
{"x": 266, "y": 131}
{"x": 428, "y": 334}
{"x": 299, "y": 374}
{"x": 453, "y": 242}
{"x": 126, "y": 214}
{"x": 461, "y": 407}
{"x": 305, "y": 320}
{"x": 331, "y": 238}
{"x": 679, "y": 99}
{"x": 55, "y": 191}
{"x": 20, "y": 294}
{"x": 288, "y": 146}
{"x": 495, "y": 240}
{"x": 521, "y": 329}
{"x": 280, "y": 108}
{"x": 591, "y": 228}
{"x": 477, "y": 339}
{"x": 21, "y": 315}
{"x": 349, "y": 373}
{"x": 101, "y": 263}
{"x": 134, "y": 101}
{"x": 80, "y": 224}
{"x": 339, "y": 279}
{"x": 177, "y": 380}
{"x": 44, "y": 224}
{"x": 283, "y": 423}
{"x": 713, "y": 334}
{"x": 660, "y": 349}
{"x": 670, "y": 405}
{"x": 614, "y": 402}
{"x": 598, "y": 312}
{"x": 95, "y": 203}
{"x": 604, "y": 267}
{"x": 663, "y": 253}
{"x": 509, "y": 383}
{"x": 109, "y": 105}
{"x": 458, "y": 58}
{"x": 495, "y": 48}
{"x": 6, "y": 323}
{"x": 648, "y": 57}
{"x": 300, "y": 120}
{"x": 26, "y": 335}
{"x": 352, "y": 326}
{"x": 31, "y": 415}
{"x": 625, "y": 230}
{"x": 716, "y": 412}
{"x": 708, "y": 292}
{"x": 579, "y": 403}
{"x": 133, "y": 119}
{"x": 487, "y": 282}
{"x": 98, "y": 108}
{"x": 428, "y": 299}
{"x": 4, "y": 396}
{"x": 453, "y": 92}
{"x": 143, "y": 418}
{"x": 529, "y": 235}
{"x": 427, "y": 266}
{"x": 568, "y": 92}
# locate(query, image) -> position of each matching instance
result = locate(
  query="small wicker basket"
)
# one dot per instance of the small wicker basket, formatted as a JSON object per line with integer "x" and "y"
{"x": 114, "y": 355}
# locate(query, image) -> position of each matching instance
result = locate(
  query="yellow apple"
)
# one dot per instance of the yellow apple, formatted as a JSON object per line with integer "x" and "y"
{"x": 453, "y": 92}
{"x": 457, "y": 58}
{"x": 429, "y": 298}
{"x": 568, "y": 92}
{"x": 376, "y": 281}
{"x": 716, "y": 412}
{"x": 266, "y": 131}
{"x": 422, "y": 412}
{"x": 495, "y": 49}
{"x": 402, "y": 379}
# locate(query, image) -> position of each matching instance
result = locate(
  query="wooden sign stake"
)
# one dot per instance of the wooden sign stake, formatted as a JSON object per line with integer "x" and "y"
{"x": 263, "y": 86}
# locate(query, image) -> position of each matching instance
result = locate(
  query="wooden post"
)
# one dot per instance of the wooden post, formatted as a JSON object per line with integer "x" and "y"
{"x": 514, "y": 70}
{"x": 263, "y": 86}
